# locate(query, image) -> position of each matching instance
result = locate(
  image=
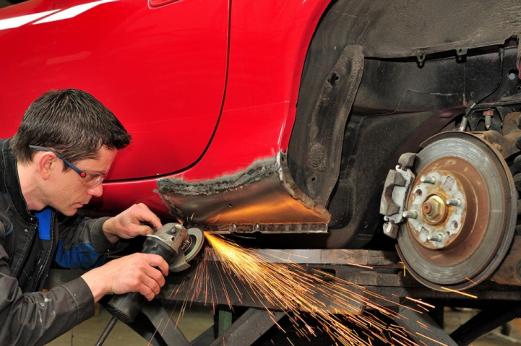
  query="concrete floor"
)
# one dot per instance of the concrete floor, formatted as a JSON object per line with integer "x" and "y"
{"x": 453, "y": 319}
{"x": 198, "y": 320}
{"x": 195, "y": 322}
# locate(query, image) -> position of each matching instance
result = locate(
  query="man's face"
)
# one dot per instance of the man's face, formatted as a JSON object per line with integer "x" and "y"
{"x": 68, "y": 191}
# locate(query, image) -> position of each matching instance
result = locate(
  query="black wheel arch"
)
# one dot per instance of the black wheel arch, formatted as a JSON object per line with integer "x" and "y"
{"x": 416, "y": 63}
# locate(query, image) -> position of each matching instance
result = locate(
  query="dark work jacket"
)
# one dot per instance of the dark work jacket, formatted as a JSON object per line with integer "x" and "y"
{"x": 35, "y": 318}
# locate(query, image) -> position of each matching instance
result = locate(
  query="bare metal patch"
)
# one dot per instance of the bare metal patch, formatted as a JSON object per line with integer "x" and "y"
{"x": 261, "y": 198}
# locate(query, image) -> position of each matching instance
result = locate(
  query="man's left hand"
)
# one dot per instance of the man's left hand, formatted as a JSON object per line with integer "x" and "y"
{"x": 136, "y": 220}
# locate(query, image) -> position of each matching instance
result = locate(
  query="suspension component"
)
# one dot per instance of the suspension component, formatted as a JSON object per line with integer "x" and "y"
{"x": 454, "y": 212}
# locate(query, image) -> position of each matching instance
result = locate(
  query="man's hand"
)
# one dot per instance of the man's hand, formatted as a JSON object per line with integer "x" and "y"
{"x": 130, "y": 223}
{"x": 134, "y": 273}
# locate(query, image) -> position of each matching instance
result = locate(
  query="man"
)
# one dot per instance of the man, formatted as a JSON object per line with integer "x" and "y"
{"x": 54, "y": 165}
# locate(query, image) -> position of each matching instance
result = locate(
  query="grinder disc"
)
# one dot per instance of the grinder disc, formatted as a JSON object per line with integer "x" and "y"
{"x": 189, "y": 250}
{"x": 196, "y": 240}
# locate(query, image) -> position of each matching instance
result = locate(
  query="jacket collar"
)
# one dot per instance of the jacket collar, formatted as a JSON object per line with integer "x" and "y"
{"x": 9, "y": 181}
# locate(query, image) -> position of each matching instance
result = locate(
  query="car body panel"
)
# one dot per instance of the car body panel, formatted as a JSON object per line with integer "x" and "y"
{"x": 261, "y": 96}
{"x": 160, "y": 70}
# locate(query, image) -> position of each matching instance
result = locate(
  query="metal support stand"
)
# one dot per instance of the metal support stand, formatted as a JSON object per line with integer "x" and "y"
{"x": 164, "y": 325}
{"x": 224, "y": 321}
{"x": 423, "y": 328}
{"x": 249, "y": 327}
{"x": 385, "y": 278}
{"x": 482, "y": 323}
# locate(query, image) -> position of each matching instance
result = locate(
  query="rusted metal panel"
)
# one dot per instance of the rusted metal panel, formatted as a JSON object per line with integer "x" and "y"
{"x": 260, "y": 198}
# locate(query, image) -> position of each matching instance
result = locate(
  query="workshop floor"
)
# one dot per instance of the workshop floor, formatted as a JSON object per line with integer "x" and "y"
{"x": 192, "y": 325}
{"x": 197, "y": 321}
{"x": 454, "y": 319}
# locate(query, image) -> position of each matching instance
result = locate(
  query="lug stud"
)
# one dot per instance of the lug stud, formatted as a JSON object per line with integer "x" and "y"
{"x": 410, "y": 214}
{"x": 428, "y": 180}
{"x": 435, "y": 238}
{"x": 453, "y": 202}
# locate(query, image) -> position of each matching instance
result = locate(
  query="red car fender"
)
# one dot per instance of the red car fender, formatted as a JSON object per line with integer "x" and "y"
{"x": 268, "y": 46}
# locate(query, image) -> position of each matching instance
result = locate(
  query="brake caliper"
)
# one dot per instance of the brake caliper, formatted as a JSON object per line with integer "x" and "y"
{"x": 395, "y": 192}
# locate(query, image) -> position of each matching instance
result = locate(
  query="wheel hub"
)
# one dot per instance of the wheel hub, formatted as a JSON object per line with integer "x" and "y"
{"x": 440, "y": 199}
{"x": 433, "y": 209}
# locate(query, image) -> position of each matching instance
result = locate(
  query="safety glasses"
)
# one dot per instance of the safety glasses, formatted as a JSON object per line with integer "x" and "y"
{"x": 91, "y": 179}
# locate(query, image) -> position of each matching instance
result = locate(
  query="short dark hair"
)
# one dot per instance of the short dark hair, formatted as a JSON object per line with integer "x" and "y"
{"x": 70, "y": 121}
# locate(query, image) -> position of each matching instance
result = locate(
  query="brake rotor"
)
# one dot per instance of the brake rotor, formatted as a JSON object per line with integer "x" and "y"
{"x": 461, "y": 212}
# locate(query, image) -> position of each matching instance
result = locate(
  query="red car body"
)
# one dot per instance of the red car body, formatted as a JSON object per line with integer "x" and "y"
{"x": 205, "y": 87}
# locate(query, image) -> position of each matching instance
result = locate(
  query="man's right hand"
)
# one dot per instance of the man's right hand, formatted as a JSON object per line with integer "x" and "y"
{"x": 133, "y": 273}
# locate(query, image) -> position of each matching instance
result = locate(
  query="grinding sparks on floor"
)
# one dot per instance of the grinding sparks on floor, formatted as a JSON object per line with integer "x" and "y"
{"x": 314, "y": 300}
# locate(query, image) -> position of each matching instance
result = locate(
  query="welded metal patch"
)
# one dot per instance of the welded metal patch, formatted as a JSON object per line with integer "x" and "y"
{"x": 261, "y": 198}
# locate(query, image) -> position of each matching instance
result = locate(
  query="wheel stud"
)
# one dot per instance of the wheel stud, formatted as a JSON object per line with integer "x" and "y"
{"x": 428, "y": 180}
{"x": 435, "y": 238}
{"x": 453, "y": 202}
{"x": 410, "y": 214}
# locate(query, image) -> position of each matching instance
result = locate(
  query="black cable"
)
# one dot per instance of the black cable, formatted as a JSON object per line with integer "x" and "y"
{"x": 106, "y": 331}
{"x": 464, "y": 120}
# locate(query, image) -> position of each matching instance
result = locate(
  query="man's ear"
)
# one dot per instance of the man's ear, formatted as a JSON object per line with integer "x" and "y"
{"x": 44, "y": 163}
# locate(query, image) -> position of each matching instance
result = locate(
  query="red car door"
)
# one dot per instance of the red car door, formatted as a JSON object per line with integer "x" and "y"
{"x": 160, "y": 66}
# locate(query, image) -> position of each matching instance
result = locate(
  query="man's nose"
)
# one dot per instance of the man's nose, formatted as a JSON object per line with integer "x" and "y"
{"x": 96, "y": 191}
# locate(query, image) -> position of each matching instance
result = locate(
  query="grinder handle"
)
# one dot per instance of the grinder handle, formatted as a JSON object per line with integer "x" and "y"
{"x": 126, "y": 306}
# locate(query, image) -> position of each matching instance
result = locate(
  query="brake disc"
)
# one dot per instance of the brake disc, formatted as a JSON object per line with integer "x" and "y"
{"x": 459, "y": 212}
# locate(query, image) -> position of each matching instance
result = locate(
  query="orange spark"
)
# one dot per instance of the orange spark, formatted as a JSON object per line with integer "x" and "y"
{"x": 421, "y": 302}
{"x": 459, "y": 292}
{"x": 295, "y": 290}
{"x": 431, "y": 339}
{"x": 300, "y": 293}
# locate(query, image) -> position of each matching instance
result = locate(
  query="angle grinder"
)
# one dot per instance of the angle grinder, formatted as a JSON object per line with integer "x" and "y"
{"x": 178, "y": 246}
